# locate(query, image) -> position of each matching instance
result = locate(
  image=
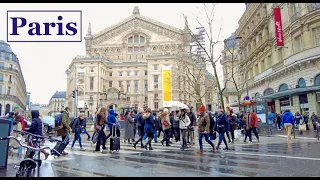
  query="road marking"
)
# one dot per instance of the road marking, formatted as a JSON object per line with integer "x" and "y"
{"x": 271, "y": 155}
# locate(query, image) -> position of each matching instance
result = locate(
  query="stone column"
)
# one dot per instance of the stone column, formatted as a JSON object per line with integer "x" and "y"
{"x": 277, "y": 106}
{"x": 296, "y": 105}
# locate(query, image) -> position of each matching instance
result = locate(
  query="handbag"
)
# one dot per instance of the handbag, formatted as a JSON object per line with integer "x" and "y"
{"x": 95, "y": 137}
{"x": 302, "y": 127}
{"x": 165, "y": 123}
{"x": 214, "y": 135}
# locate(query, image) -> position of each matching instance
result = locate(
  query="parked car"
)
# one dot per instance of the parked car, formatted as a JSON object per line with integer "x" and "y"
{"x": 48, "y": 124}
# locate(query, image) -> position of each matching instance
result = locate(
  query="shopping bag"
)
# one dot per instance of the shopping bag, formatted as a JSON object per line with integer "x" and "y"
{"x": 302, "y": 127}
{"x": 237, "y": 134}
{"x": 95, "y": 137}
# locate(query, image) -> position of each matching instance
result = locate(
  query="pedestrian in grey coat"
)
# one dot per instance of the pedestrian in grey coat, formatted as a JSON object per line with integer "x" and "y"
{"x": 129, "y": 127}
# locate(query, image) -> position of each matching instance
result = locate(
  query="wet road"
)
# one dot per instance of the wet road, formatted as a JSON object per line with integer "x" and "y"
{"x": 271, "y": 157}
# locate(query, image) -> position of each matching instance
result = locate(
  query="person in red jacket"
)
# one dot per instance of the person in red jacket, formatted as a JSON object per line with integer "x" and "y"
{"x": 251, "y": 123}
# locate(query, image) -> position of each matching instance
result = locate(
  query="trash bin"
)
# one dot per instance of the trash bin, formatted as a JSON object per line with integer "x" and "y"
{"x": 4, "y": 145}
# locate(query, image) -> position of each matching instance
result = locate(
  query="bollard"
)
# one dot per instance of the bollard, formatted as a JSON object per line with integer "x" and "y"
{"x": 318, "y": 130}
{"x": 294, "y": 131}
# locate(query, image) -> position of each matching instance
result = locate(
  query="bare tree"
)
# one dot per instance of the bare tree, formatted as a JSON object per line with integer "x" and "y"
{"x": 206, "y": 20}
{"x": 231, "y": 55}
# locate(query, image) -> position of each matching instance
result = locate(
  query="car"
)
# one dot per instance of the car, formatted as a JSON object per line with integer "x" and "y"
{"x": 48, "y": 124}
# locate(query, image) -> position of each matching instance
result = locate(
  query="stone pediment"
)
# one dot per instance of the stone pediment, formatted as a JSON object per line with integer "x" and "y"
{"x": 136, "y": 23}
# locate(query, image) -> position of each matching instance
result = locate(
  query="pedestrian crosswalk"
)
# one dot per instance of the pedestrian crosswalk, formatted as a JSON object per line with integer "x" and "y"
{"x": 256, "y": 159}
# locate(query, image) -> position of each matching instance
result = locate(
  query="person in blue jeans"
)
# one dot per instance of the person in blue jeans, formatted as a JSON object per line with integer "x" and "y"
{"x": 203, "y": 128}
{"x": 76, "y": 129}
{"x": 221, "y": 127}
{"x": 83, "y": 125}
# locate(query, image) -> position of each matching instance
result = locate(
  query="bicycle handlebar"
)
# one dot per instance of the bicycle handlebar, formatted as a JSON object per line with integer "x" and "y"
{"x": 36, "y": 136}
{"x": 25, "y": 146}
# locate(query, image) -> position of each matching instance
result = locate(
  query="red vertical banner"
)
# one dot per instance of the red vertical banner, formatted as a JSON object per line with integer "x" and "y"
{"x": 278, "y": 26}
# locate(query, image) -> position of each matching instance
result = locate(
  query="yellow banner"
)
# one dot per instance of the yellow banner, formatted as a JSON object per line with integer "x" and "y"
{"x": 166, "y": 81}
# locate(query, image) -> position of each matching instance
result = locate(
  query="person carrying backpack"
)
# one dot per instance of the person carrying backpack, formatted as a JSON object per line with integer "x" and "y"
{"x": 77, "y": 129}
{"x": 221, "y": 127}
{"x": 62, "y": 125}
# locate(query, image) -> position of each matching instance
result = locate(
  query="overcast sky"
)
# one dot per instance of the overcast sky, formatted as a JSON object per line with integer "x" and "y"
{"x": 44, "y": 64}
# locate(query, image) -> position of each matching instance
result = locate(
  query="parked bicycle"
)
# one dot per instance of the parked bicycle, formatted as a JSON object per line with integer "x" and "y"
{"x": 30, "y": 166}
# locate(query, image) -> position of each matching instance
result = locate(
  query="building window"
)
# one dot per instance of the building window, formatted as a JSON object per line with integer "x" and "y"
{"x": 1, "y": 77}
{"x": 128, "y": 98}
{"x": 128, "y": 86}
{"x": 268, "y": 91}
{"x": 142, "y": 39}
{"x": 120, "y": 73}
{"x": 146, "y": 99}
{"x": 156, "y": 81}
{"x": 10, "y": 78}
{"x": 110, "y": 84}
{"x": 317, "y": 80}
{"x": 145, "y": 73}
{"x": 155, "y": 67}
{"x": 269, "y": 61}
{"x": 256, "y": 69}
{"x": 302, "y": 83}
{"x": 262, "y": 66}
{"x": 136, "y": 49}
{"x": 136, "y": 39}
{"x": 110, "y": 74}
{"x": 120, "y": 83}
{"x": 136, "y": 86}
{"x": 141, "y": 48}
{"x": 136, "y": 73}
{"x": 283, "y": 87}
{"x": 156, "y": 105}
{"x": 9, "y": 91}
{"x": 145, "y": 86}
{"x": 0, "y": 89}
{"x": 297, "y": 44}
{"x": 91, "y": 83}
{"x": 92, "y": 69}
{"x": 316, "y": 36}
{"x": 128, "y": 73}
{"x": 130, "y": 49}
{"x": 156, "y": 96}
{"x": 11, "y": 66}
{"x": 1, "y": 65}
{"x": 130, "y": 40}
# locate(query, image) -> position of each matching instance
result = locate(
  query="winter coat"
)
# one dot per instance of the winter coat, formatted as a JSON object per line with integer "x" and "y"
{"x": 192, "y": 118}
{"x": 76, "y": 126}
{"x": 314, "y": 119}
{"x": 149, "y": 124}
{"x": 156, "y": 122}
{"x": 184, "y": 122}
{"x": 165, "y": 118}
{"x": 140, "y": 120}
{"x": 65, "y": 122}
{"x": 11, "y": 123}
{"x": 36, "y": 124}
{"x": 222, "y": 123}
{"x": 204, "y": 123}
{"x": 212, "y": 122}
{"x": 287, "y": 117}
{"x": 176, "y": 122}
{"x": 128, "y": 127}
{"x": 233, "y": 122}
{"x": 111, "y": 119}
{"x": 253, "y": 120}
{"x": 271, "y": 118}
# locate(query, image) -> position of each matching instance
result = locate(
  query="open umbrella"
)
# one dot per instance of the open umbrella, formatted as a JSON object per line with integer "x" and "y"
{"x": 178, "y": 104}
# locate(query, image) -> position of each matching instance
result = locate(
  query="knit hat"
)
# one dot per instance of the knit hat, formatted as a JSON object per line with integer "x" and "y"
{"x": 202, "y": 108}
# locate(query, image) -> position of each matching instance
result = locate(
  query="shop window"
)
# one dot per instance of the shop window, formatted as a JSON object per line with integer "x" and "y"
{"x": 317, "y": 80}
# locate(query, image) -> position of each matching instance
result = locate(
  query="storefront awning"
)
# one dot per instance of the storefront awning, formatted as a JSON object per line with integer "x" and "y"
{"x": 291, "y": 92}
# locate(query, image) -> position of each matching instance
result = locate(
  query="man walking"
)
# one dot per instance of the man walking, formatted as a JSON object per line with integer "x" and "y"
{"x": 64, "y": 129}
{"x": 193, "y": 123}
{"x": 204, "y": 124}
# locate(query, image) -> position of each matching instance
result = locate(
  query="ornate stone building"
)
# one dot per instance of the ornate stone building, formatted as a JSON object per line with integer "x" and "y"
{"x": 285, "y": 77}
{"x": 56, "y": 104}
{"x": 12, "y": 85}
{"x": 123, "y": 65}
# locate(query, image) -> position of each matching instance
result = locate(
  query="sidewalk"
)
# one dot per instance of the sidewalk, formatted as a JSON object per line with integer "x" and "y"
{"x": 282, "y": 133}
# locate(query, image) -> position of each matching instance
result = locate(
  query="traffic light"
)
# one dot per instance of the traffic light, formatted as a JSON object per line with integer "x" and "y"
{"x": 73, "y": 93}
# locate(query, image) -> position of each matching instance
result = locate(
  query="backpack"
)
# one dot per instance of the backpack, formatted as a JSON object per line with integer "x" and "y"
{"x": 58, "y": 121}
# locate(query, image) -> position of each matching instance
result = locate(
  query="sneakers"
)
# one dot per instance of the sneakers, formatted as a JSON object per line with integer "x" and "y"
{"x": 82, "y": 149}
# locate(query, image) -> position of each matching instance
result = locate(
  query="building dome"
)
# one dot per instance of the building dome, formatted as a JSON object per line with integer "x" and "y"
{"x": 59, "y": 94}
{"x": 5, "y": 47}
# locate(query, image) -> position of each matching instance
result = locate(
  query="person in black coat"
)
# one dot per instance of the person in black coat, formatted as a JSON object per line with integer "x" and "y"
{"x": 193, "y": 123}
{"x": 77, "y": 129}
{"x": 140, "y": 126}
{"x": 212, "y": 123}
{"x": 221, "y": 127}
{"x": 171, "y": 118}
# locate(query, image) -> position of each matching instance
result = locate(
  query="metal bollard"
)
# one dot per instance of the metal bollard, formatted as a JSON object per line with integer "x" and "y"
{"x": 294, "y": 131}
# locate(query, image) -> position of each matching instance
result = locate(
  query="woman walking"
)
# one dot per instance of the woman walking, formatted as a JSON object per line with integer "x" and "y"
{"x": 220, "y": 127}
{"x": 232, "y": 118}
{"x": 77, "y": 129}
{"x": 184, "y": 122}
{"x": 128, "y": 127}
{"x": 100, "y": 125}
{"x": 148, "y": 127}
{"x": 165, "y": 126}
{"x": 18, "y": 127}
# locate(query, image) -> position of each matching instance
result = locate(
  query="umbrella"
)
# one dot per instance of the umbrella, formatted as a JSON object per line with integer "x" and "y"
{"x": 178, "y": 104}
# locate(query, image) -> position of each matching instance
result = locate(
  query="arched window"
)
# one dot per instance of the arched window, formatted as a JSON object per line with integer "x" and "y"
{"x": 317, "y": 80}
{"x": 283, "y": 87}
{"x": 136, "y": 43}
{"x": 302, "y": 83}
{"x": 268, "y": 91}
{"x": 7, "y": 109}
{"x": 257, "y": 95}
